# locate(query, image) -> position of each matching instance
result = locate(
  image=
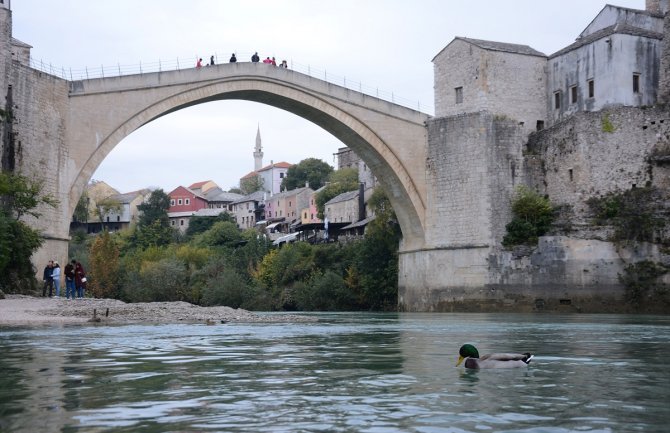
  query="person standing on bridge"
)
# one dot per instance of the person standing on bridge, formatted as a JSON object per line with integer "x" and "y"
{"x": 255, "y": 57}
{"x": 283, "y": 64}
{"x": 211, "y": 61}
{"x": 274, "y": 62}
{"x": 233, "y": 59}
{"x": 198, "y": 64}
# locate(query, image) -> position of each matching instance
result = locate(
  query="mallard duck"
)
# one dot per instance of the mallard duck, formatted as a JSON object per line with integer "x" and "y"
{"x": 469, "y": 353}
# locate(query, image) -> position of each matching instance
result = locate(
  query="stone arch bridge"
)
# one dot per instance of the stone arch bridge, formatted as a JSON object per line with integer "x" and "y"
{"x": 390, "y": 138}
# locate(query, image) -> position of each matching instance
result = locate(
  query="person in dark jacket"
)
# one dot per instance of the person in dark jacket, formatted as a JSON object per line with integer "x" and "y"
{"x": 255, "y": 58}
{"x": 48, "y": 279}
{"x": 233, "y": 59}
{"x": 69, "y": 280}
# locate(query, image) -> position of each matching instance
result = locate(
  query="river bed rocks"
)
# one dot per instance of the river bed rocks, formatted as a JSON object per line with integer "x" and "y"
{"x": 28, "y": 310}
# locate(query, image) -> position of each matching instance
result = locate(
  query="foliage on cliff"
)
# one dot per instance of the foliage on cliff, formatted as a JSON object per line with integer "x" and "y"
{"x": 532, "y": 217}
{"x": 636, "y": 214}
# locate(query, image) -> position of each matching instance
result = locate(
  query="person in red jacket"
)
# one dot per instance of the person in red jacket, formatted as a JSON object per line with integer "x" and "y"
{"x": 80, "y": 280}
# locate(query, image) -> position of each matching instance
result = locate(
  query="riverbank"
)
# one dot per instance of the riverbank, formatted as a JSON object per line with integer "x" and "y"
{"x": 21, "y": 310}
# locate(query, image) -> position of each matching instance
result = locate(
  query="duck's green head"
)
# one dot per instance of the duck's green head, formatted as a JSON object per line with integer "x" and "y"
{"x": 467, "y": 351}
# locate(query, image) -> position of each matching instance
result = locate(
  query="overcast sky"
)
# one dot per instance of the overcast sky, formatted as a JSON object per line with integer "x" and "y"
{"x": 384, "y": 44}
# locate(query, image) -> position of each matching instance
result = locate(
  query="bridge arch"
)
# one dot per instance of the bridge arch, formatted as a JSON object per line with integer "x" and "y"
{"x": 368, "y": 131}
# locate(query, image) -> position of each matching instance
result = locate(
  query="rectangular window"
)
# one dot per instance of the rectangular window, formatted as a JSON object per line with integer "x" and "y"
{"x": 118, "y": 219}
{"x": 459, "y": 95}
{"x": 181, "y": 222}
{"x": 172, "y": 202}
{"x": 179, "y": 201}
{"x": 557, "y": 100}
{"x": 592, "y": 89}
{"x": 187, "y": 201}
{"x": 172, "y": 222}
{"x": 636, "y": 83}
{"x": 573, "y": 94}
{"x": 281, "y": 175}
{"x": 539, "y": 125}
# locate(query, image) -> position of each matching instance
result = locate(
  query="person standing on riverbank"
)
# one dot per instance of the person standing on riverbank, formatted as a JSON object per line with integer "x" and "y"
{"x": 69, "y": 280}
{"x": 55, "y": 276}
{"x": 47, "y": 279}
{"x": 80, "y": 280}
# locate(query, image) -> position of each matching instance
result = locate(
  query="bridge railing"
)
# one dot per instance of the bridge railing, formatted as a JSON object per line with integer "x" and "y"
{"x": 160, "y": 65}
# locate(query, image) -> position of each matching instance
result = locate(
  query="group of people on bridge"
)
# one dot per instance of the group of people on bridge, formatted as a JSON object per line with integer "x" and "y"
{"x": 75, "y": 280}
{"x": 254, "y": 59}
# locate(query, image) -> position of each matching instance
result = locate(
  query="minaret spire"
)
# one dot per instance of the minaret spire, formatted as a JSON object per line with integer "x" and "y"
{"x": 258, "y": 151}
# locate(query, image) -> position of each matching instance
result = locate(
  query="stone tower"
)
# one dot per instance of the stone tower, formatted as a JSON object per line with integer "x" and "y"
{"x": 258, "y": 151}
{"x": 664, "y": 75}
{"x": 657, "y": 6}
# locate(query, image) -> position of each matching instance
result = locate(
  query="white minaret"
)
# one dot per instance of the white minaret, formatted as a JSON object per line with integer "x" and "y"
{"x": 258, "y": 151}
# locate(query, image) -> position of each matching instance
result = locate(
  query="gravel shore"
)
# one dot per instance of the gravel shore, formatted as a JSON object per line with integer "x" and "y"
{"x": 27, "y": 310}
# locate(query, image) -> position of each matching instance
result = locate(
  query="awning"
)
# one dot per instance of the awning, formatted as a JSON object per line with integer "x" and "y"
{"x": 261, "y": 222}
{"x": 273, "y": 225}
{"x": 360, "y": 223}
{"x": 288, "y": 238}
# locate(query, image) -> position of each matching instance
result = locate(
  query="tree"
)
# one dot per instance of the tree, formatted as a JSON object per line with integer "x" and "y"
{"x": 236, "y": 190}
{"x": 311, "y": 170}
{"x": 81, "y": 211}
{"x": 153, "y": 227}
{"x": 341, "y": 181}
{"x": 19, "y": 196}
{"x": 106, "y": 206}
{"x": 532, "y": 217}
{"x": 222, "y": 233}
{"x": 154, "y": 209}
{"x": 251, "y": 184}
{"x": 104, "y": 266}
{"x": 200, "y": 224}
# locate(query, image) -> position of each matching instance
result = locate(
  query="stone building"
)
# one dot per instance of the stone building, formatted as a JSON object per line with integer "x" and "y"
{"x": 347, "y": 158}
{"x": 507, "y": 79}
{"x": 614, "y": 61}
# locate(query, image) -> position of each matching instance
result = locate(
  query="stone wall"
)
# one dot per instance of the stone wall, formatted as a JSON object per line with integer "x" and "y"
{"x": 664, "y": 79}
{"x": 503, "y": 83}
{"x": 592, "y": 154}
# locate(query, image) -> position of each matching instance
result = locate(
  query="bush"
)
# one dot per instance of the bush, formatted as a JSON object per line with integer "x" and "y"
{"x": 165, "y": 280}
{"x": 634, "y": 214}
{"x": 532, "y": 218}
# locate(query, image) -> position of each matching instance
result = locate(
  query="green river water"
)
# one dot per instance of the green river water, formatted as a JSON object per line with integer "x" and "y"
{"x": 353, "y": 372}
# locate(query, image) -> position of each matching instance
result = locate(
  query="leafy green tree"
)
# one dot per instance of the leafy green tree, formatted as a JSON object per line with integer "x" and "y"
{"x": 311, "y": 170}
{"x": 341, "y": 181}
{"x": 154, "y": 209}
{"x": 19, "y": 196}
{"x": 104, "y": 207}
{"x": 236, "y": 190}
{"x": 153, "y": 226}
{"x": 81, "y": 210}
{"x": 377, "y": 256}
{"x": 532, "y": 217}
{"x": 251, "y": 184}
{"x": 200, "y": 224}
{"x": 104, "y": 266}
{"x": 222, "y": 233}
